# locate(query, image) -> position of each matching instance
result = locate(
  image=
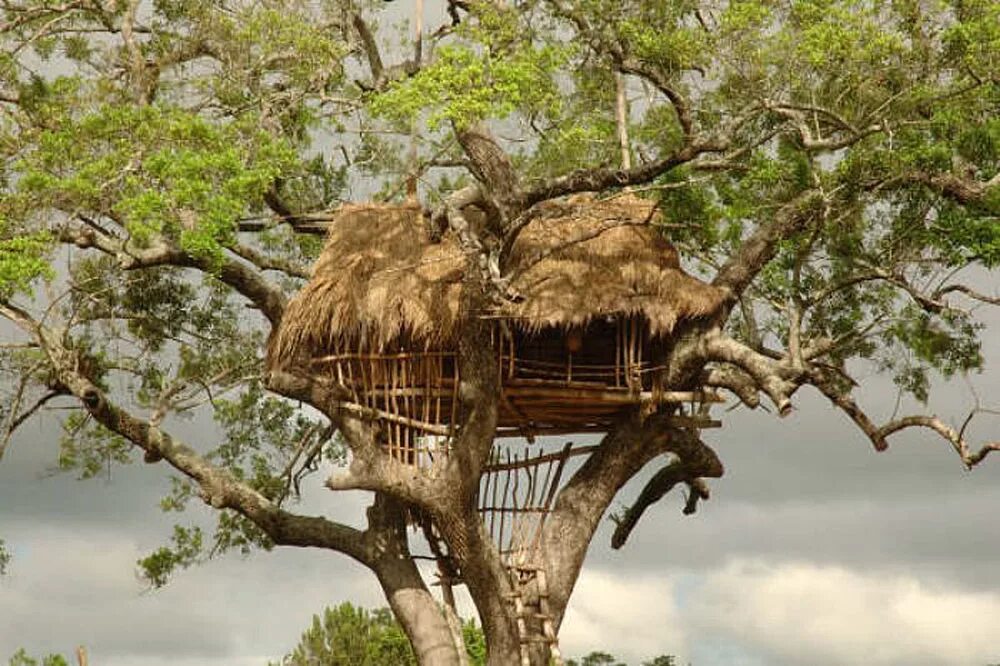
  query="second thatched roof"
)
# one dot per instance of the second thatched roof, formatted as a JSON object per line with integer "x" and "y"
{"x": 381, "y": 279}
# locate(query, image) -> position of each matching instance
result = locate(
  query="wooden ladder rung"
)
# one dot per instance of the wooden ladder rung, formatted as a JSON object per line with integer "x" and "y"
{"x": 537, "y": 616}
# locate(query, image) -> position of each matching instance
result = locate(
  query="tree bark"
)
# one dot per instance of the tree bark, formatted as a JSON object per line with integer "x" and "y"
{"x": 422, "y": 618}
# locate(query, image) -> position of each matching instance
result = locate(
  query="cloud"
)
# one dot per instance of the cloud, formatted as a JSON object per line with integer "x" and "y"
{"x": 79, "y": 587}
{"x": 70, "y": 589}
{"x": 802, "y": 613}
{"x": 634, "y": 618}
{"x": 754, "y": 612}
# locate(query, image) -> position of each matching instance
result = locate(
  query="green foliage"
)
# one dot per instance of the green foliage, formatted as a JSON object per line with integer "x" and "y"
{"x": 497, "y": 73}
{"x": 475, "y": 643}
{"x": 90, "y": 448}
{"x": 21, "y": 658}
{"x": 185, "y": 550}
{"x": 23, "y": 259}
{"x": 465, "y": 86}
{"x": 160, "y": 169}
{"x": 662, "y": 660}
{"x": 596, "y": 658}
{"x": 4, "y": 558}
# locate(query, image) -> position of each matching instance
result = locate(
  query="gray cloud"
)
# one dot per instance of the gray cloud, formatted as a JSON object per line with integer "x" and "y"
{"x": 800, "y": 613}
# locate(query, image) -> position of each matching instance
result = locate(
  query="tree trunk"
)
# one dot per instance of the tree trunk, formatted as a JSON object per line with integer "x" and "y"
{"x": 423, "y": 620}
{"x": 420, "y": 615}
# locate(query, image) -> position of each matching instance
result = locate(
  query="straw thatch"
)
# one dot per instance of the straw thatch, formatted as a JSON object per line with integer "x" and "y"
{"x": 382, "y": 283}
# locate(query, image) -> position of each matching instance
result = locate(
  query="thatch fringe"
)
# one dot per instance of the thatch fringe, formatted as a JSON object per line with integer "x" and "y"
{"x": 381, "y": 282}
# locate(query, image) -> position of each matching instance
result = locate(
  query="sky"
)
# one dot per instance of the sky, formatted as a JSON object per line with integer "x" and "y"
{"x": 813, "y": 550}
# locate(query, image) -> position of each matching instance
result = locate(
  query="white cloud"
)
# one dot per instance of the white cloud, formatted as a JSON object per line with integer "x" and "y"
{"x": 634, "y": 618}
{"x": 824, "y": 615}
{"x": 759, "y": 613}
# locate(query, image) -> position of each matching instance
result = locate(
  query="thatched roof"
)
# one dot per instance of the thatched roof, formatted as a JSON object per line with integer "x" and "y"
{"x": 381, "y": 277}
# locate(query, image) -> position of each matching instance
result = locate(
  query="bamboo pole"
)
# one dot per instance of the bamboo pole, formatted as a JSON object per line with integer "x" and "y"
{"x": 621, "y": 119}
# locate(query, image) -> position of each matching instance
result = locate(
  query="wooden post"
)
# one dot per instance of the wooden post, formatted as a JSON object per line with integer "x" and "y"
{"x": 621, "y": 118}
{"x": 81, "y": 656}
{"x": 418, "y": 49}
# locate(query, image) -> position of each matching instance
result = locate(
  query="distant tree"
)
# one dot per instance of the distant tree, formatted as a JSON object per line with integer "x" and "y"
{"x": 351, "y": 636}
{"x": 662, "y": 660}
{"x": 596, "y": 658}
{"x": 21, "y": 658}
{"x": 4, "y": 558}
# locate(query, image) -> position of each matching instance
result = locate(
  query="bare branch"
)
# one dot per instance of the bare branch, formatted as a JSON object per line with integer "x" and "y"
{"x": 954, "y": 437}
{"x": 879, "y": 434}
{"x": 808, "y": 137}
{"x": 16, "y": 420}
{"x": 736, "y": 381}
{"x": 967, "y": 292}
{"x": 768, "y": 374}
{"x": 267, "y": 263}
{"x": 692, "y": 463}
{"x": 654, "y": 76}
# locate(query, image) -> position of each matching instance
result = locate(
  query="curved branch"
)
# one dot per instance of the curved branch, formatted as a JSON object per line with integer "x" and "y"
{"x": 879, "y": 434}
{"x": 968, "y": 292}
{"x": 770, "y": 375}
{"x": 692, "y": 464}
{"x": 969, "y": 458}
{"x": 265, "y": 295}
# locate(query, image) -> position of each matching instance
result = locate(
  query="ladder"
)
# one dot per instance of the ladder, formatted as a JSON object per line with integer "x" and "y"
{"x": 520, "y": 576}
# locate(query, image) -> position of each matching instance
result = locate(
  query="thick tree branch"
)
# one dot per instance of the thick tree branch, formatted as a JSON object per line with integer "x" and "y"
{"x": 773, "y": 377}
{"x": 761, "y": 245}
{"x": 965, "y": 191}
{"x": 693, "y": 463}
{"x": 736, "y": 381}
{"x": 492, "y": 167}
{"x": 595, "y": 180}
{"x": 582, "y": 502}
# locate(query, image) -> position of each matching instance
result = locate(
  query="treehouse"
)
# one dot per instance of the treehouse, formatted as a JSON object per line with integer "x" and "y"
{"x": 600, "y": 293}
